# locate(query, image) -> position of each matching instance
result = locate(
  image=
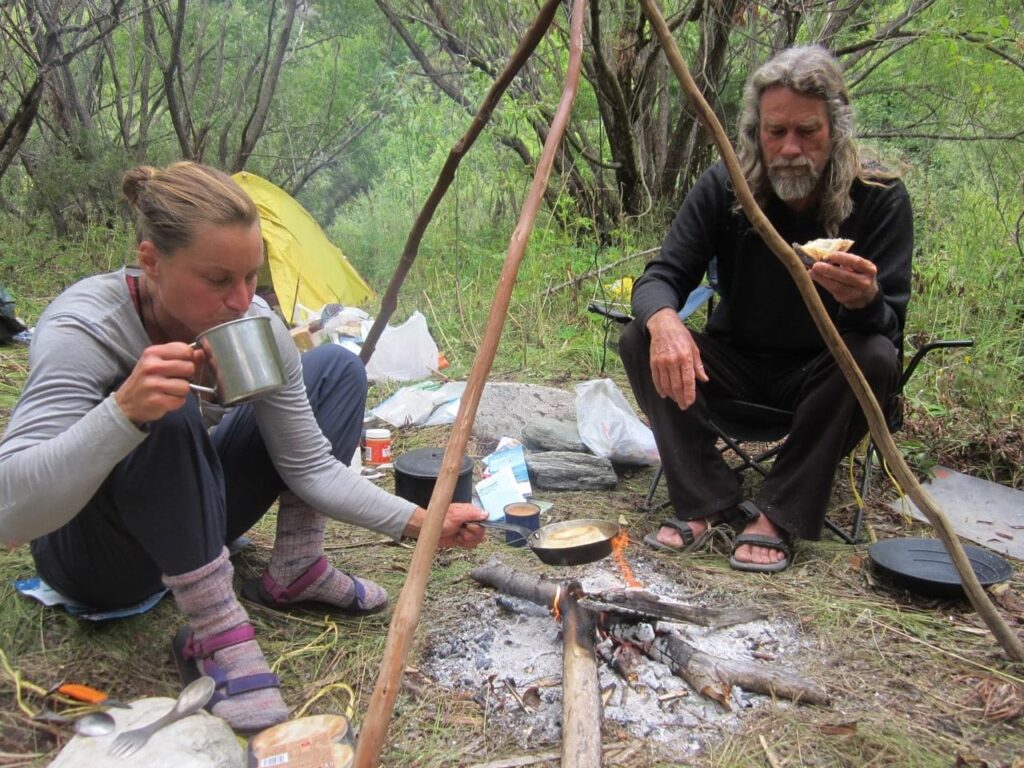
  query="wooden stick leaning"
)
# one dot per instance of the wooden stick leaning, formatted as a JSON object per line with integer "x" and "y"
{"x": 407, "y": 609}
{"x": 1010, "y": 643}
{"x": 527, "y": 45}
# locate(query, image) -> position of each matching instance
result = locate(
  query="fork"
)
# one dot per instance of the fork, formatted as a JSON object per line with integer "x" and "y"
{"x": 192, "y": 698}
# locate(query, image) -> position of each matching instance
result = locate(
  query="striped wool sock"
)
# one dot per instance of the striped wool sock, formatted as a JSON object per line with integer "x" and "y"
{"x": 299, "y": 544}
{"x": 206, "y": 596}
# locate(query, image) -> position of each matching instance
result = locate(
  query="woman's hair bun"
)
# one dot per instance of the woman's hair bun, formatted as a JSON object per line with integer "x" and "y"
{"x": 134, "y": 180}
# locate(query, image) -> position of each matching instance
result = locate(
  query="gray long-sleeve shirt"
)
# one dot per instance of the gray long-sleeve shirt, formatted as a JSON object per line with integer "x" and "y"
{"x": 67, "y": 433}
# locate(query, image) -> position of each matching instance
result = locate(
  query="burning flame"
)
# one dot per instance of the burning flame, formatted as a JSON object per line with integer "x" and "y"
{"x": 619, "y": 544}
{"x": 555, "y": 613}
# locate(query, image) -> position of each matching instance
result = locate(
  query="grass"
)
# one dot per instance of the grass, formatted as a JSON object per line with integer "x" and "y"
{"x": 908, "y": 676}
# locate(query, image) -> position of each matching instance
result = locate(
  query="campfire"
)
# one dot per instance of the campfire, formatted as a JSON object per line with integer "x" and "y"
{"x": 632, "y": 658}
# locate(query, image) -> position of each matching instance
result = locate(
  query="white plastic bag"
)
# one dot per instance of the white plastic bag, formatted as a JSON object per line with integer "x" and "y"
{"x": 419, "y": 403}
{"x": 404, "y": 353}
{"x": 608, "y": 426}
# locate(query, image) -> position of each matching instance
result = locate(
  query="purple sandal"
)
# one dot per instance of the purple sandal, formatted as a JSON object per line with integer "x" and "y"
{"x": 267, "y": 592}
{"x": 195, "y": 658}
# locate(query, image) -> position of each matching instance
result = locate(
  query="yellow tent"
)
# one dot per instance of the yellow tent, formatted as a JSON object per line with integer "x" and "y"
{"x": 299, "y": 254}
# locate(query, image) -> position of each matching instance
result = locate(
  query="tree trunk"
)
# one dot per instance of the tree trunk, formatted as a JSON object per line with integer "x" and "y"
{"x": 268, "y": 84}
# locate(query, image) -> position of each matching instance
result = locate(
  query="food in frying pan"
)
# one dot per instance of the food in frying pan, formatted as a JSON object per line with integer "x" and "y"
{"x": 575, "y": 536}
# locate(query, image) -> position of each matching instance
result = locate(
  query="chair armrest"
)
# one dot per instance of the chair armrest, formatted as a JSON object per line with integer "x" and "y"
{"x": 919, "y": 355}
{"x": 605, "y": 311}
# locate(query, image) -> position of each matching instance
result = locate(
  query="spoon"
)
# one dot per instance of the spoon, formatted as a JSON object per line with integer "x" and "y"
{"x": 89, "y": 724}
{"x": 93, "y": 724}
{"x": 192, "y": 698}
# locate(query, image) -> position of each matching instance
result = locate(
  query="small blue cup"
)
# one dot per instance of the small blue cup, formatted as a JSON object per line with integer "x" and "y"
{"x": 522, "y": 513}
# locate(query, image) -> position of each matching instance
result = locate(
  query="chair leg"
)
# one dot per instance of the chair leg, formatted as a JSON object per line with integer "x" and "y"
{"x": 749, "y": 462}
{"x": 853, "y": 537}
{"x": 846, "y": 537}
{"x": 652, "y": 489}
{"x": 865, "y": 486}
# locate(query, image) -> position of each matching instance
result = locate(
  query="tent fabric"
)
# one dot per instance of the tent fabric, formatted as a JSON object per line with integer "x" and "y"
{"x": 299, "y": 254}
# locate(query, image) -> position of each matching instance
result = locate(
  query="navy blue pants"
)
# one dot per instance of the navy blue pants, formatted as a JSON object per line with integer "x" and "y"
{"x": 172, "y": 504}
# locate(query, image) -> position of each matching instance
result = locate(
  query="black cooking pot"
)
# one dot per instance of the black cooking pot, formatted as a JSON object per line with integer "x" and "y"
{"x": 416, "y": 474}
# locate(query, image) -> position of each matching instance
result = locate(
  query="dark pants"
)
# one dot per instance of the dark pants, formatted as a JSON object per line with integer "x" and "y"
{"x": 827, "y": 424}
{"x": 173, "y": 503}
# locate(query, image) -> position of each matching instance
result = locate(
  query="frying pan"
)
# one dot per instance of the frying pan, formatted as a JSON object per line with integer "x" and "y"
{"x": 554, "y": 544}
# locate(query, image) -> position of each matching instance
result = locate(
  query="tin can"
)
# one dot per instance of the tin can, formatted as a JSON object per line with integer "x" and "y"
{"x": 377, "y": 447}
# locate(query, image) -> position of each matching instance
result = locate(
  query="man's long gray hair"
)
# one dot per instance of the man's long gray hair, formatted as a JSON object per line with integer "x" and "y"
{"x": 812, "y": 71}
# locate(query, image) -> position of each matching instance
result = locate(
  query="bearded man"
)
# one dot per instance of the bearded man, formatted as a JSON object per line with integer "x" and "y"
{"x": 797, "y": 151}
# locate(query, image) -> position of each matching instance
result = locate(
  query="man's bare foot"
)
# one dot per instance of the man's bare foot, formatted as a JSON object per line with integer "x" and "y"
{"x": 670, "y": 537}
{"x": 749, "y": 553}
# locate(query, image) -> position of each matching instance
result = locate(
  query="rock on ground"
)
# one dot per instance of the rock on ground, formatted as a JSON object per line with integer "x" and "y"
{"x": 505, "y": 408}
{"x": 545, "y": 434}
{"x": 565, "y": 471}
{"x": 197, "y": 741}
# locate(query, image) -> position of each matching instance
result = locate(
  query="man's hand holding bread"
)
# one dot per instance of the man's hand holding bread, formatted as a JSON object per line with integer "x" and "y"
{"x": 849, "y": 278}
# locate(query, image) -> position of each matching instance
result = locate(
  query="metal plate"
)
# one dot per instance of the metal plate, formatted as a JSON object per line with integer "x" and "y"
{"x": 923, "y": 566}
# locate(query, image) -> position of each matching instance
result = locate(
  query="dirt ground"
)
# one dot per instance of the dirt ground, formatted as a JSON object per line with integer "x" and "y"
{"x": 912, "y": 681}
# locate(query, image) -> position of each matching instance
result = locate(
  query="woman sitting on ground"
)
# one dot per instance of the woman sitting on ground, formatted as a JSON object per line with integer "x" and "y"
{"x": 110, "y": 467}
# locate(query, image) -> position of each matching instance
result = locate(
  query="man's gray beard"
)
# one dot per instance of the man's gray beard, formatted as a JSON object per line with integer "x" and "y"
{"x": 793, "y": 186}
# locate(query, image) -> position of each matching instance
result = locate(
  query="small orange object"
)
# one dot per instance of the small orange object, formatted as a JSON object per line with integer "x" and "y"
{"x": 442, "y": 361}
{"x": 82, "y": 693}
{"x": 85, "y": 693}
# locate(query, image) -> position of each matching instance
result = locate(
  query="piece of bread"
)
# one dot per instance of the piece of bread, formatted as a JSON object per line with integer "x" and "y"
{"x": 823, "y": 247}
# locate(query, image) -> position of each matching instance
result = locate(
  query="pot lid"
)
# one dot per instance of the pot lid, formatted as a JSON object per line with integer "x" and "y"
{"x": 925, "y": 567}
{"x": 426, "y": 463}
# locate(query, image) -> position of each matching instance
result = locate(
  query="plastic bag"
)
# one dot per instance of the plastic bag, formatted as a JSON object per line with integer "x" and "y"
{"x": 608, "y": 426}
{"x": 403, "y": 352}
{"x": 419, "y": 403}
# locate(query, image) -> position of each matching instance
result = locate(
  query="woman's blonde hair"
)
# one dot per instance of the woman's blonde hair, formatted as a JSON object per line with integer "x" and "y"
{"x": 813, "y": 71}
{"x": 172, "y": 203}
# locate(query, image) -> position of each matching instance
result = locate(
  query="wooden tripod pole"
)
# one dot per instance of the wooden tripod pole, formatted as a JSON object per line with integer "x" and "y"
{"x": 876, "y": 421}
{"x": 526, "y": 47}
{"x": 407, "y": 610}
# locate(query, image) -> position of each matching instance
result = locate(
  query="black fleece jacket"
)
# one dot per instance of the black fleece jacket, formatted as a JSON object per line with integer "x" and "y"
{"x": 760, "y": 309}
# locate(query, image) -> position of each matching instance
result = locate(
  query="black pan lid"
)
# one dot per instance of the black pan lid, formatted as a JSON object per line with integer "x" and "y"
{"x": 925, "y": 567}
{"x": 426, "y": 463}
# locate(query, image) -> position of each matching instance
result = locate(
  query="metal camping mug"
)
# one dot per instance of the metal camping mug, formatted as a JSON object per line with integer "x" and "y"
{"x": 522, "y": 513}
{"x": 244, "y": 358}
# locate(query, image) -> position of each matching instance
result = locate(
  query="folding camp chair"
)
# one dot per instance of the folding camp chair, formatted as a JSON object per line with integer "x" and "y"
{"x": 738, "y": 422}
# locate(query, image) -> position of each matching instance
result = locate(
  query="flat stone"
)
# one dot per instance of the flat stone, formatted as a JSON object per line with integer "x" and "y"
{"x": 545, "y": 434}
{"x": 567, "y": 471}
{"x": 506, "y": 407}
{"x": 200, "y": 740}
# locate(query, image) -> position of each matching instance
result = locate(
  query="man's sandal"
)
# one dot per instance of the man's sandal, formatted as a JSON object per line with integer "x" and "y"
{"x": 691, "y": 541}
{"x": 760, "y": 540}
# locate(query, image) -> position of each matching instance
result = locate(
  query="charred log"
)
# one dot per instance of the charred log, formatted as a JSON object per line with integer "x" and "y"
{"x": 710, "y": 675}
{"x": 581, "y": 694}
{"x": 639, "y": 602}
{"x": 629, "y": 603}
